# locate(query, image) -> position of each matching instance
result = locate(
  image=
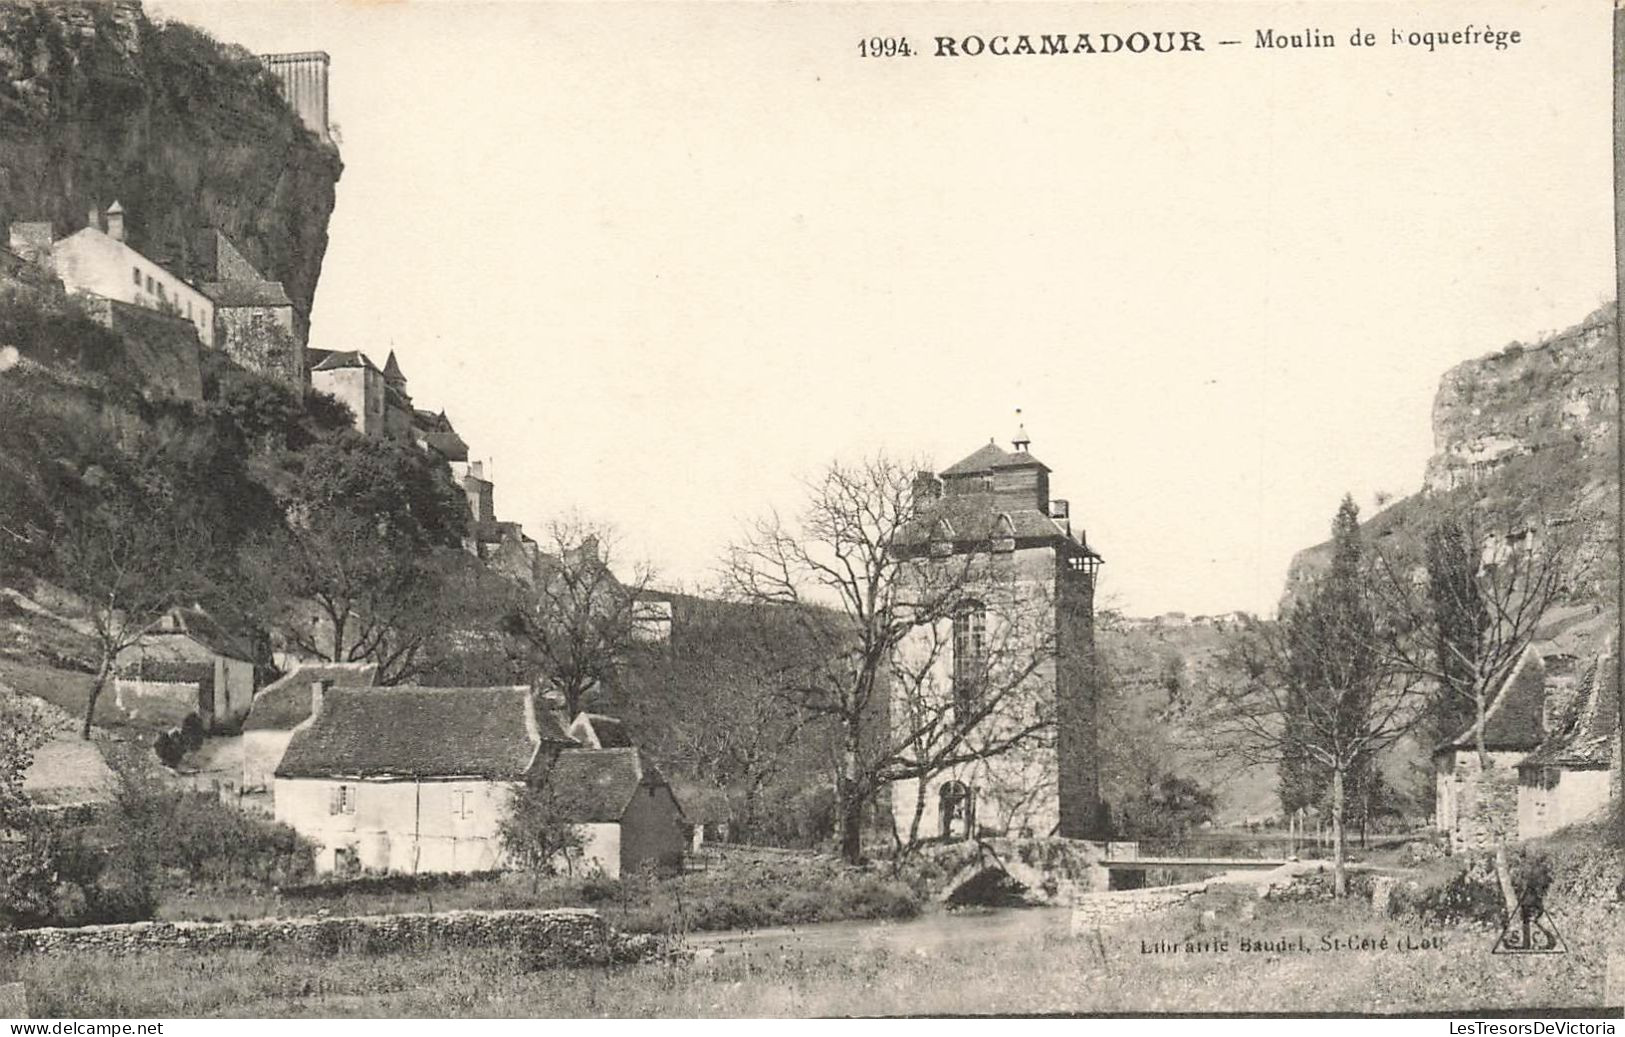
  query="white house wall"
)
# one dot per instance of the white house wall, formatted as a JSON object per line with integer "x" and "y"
{"x": 91, "y": 261}
{"x": 1015, "y": 792}
{"x": 1578, "y": 795}
{"x": 400, "y": 826}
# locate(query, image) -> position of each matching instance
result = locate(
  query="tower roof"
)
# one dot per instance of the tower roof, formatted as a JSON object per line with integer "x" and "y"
{"x": 983, "y": 460}
{"x": 989, "y": 457}
{"x": 392, "y": 368}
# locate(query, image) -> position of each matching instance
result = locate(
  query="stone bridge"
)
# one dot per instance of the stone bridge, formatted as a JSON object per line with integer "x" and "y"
{"x": 1057, "y": 871}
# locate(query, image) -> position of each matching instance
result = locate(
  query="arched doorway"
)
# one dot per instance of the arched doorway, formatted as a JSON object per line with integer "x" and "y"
{"x": 956, "y": 810}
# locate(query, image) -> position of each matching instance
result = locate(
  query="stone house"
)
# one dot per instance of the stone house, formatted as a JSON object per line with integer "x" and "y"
{"x": 279, "y": 709}
{"x": 351, "y": 378}
{"x": 97, "y": 261}
{"x": 254, "y": 319}
{"x": 992, "y": 510}
{"x": 186, "y": 660}
{"x": 1572, "y": 775}
{"x": 1476, "y": 801}
{"x": 412, "y": 779}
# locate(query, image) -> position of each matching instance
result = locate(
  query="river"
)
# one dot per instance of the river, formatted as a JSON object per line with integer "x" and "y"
{"x": 935, "y": 929}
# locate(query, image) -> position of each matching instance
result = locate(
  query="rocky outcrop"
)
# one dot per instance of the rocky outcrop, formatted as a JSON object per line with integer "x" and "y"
{"x": 1532, "y": 432}
{"x": 98, "y": 103}
{"x": 1558, "y": 395}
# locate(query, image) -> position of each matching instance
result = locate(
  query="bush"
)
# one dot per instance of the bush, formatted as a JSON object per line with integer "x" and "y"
{"x": 1472, "y": 893}
{"x": 210, "y": 842}
{"x": 170, "y": 747}
{"x": 192, "y": 733}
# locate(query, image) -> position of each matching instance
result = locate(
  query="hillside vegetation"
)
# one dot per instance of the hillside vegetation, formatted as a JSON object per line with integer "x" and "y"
{"x": 98, "y": 103}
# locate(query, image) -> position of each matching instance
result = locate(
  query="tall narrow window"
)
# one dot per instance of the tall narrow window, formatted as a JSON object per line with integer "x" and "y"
{"x": 970, "y": 659}
{"x": 343, "y": 800}
{"x": 135, "y": 274}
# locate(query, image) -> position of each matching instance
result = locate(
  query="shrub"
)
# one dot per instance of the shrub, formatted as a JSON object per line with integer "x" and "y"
{"x": 1472, "y": 892}
{"x": 210, "y": 842}
{"x": 170, "y": 747}
{"x": 192, "y": 733}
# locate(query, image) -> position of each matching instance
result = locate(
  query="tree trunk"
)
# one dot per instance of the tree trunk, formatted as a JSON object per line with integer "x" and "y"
{"x": 1340, "y": 879}
{"x": 1503, "y": 874}
{"x": 96, "y": 688}
{"x": 849, "y": 796}
{"x": 1481, "y": 706}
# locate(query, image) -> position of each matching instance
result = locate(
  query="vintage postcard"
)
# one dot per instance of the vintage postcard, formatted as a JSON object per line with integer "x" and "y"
{"x": 538, "y": 509}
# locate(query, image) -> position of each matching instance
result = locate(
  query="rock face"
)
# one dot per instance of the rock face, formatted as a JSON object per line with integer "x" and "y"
{"x": 1558, "y": 395}
{"x": 98, "y": 104}
{"x": 1532, "y": 429}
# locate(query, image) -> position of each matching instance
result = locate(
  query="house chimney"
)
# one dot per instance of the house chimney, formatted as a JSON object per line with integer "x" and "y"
{"x": 115, "y": 221}
{"x": 95, "y": 219}
{"x": 316, "y": 696}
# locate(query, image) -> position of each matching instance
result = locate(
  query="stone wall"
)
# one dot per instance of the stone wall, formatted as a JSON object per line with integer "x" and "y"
{"x": 563, "y": 936}
{"x": 163, "y": 347}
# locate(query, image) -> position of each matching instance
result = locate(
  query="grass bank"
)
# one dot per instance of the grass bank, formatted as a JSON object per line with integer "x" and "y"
{"x": 1423, "y": 969}
{"x": 743, "y": 890}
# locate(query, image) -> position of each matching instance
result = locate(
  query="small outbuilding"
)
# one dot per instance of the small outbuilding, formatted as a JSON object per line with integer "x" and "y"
{"x": 623, "y": 807}
{"x": 187, "y": 661}
{"x": 1572, "y": 774}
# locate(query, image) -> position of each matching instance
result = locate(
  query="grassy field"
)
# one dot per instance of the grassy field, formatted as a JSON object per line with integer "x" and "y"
{"x": 1443, "y": 970}
{"x": 745, "y": 890}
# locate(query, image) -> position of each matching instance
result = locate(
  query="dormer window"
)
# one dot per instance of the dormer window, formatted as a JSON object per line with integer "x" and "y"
{"x": 1004, "y": 535}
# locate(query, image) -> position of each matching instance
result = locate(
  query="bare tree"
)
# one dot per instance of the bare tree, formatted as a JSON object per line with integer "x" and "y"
{"x": 860, "y": 599}
{"x": 1470, "y": 608}
{"x": 130, "y": 558}
{"x": 579, "y": 619}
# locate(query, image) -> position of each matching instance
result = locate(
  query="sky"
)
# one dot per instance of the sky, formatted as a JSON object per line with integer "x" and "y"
{"x": 661, "y": 263}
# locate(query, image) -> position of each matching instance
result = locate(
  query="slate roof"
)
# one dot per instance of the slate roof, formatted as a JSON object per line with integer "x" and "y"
{"x": 447, "y": 444}
{"x": 609, "y": 731}
{"x": 284, "y": 704}
{"x": 982, "y": 460}
{"x": 337, "y": 358}
{"x": 1513, "y": 720}
{"x": 702, "y": 804}
{"x": 595, "y": 786}
{"x": 989, "y": 457}
{"x": 392, "y": 368}
{"x": 246, "y": 293}
{"x": 1585, "y": 739}
{"x": 416, "y": 732}
{"x": 972, "y": 516}
{"x": 206, "y": 631}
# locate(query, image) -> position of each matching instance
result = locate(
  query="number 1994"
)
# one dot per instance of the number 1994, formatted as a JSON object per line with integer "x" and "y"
{"x": 884, "y": 47}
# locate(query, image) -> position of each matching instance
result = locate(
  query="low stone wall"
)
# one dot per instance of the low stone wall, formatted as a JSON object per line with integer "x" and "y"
{"x": 1099, "y": 910}
{"x": 562, "y": 936}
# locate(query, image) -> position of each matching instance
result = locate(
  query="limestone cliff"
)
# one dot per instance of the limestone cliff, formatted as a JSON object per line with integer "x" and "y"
{"x": 1560, "y": 395}
{"x": 1530, "y": 428}
{"x": 99, "y": 103}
